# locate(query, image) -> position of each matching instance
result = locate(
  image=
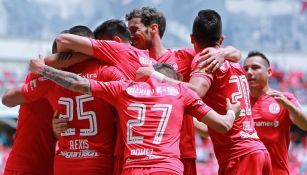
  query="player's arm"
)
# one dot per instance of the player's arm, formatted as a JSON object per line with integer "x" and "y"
{"x": 297, "y": 115}
{"x": 200, "y": 128}
{"x": 70, "y": 42}
{"x": 144, "y": 72}
{"x": 13, "y": 97}
{"x": 210, "y": 59}
{"x": 65, "y": 59}
{"x": 67, "y": 80}
{"x": 200, "y": 85}
{"x": 220, "y": 123}
{"x": 35, "y": 89}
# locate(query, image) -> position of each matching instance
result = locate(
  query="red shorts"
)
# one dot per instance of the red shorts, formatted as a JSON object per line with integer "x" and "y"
{"x": 189, "y": 166}
{"x": 255, "y": 163}
{"x": 118, "y": 165}
{"x": 15, "y": 172}
{"x": 149, "y": 171}
{"x": 92, "y": 166}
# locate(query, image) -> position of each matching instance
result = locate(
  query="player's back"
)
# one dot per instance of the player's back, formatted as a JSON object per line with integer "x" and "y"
{"x": 34, "y": 142}
{"x": 88, "y": 145}
{"x": 229, "y": 81}
{"x": 180, "y": 60}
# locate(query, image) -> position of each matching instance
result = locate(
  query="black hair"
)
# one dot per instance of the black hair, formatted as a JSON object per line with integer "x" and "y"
{"x": 149, "y": 16}
{"x": 111, "y": 28}
{"x": 167, "y": 70}
{"x": 207, "y": 28}
{"x": 257, "y": 53}
{"x": 81, "y": 31}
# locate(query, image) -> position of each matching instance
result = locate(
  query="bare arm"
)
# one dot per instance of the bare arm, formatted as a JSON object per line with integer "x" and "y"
{"x": 70, "y": 42}
{"x": 65, "y": 59}
{"x": 144, "y": 72}
{"x": 298, "y": 117}
{"x": 201, "y": 85}
{"x": 200, "y": 128}
{"x": 13, "y": 97}
{"x": 222, "y": 123}
{"x": 67, "y": 80}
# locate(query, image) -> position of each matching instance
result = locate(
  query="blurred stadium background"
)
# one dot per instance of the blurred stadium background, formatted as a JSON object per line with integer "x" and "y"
{"x": 276, "y": 27}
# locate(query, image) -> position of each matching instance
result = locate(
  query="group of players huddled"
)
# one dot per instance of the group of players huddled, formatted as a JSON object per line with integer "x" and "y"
{"x": 117, "y": 102}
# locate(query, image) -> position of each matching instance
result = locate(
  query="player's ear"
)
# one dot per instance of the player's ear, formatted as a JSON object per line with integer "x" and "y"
{"x": 154, "y": 28}
{"x": 270, "y": 71}
{"x": 117, "y": 39}
{"x": 221, "y": 40}
{"x": 192, "y": 39}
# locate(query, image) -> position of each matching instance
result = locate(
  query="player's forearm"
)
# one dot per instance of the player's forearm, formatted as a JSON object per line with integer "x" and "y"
{"x": 200, "y": 128}
{"x": 66, "y": 79}
{"x": 173, "y": 81}
{"x": 65, "y": 59}
{"x": 232, "y": 54}
{"x": 63, "y": 43}
{"x": 13, "y": 97}
{"x": 298, "y": 116}
{"x": 220, "y": 123}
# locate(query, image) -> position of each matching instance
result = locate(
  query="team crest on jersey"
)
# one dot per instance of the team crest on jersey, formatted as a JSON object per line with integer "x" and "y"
{"x": 274, "y": 108}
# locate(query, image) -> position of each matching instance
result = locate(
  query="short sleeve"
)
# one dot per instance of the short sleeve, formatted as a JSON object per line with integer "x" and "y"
{"x": 199, "y": 73}
{"x": 108, "y": 50}
{"x": 194, "y": 105}
{"x": 108, "y": 91}
{"x": 110, "y": 73}
{"x": 36, "y": 88}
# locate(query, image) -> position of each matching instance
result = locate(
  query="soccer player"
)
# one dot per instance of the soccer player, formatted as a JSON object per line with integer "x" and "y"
{"x": 240, "y": 146}
{"x": 274, "y": 112}
{"x": 87, "y": 147}
{"x": 116, "y": 53}
{"x": 147, "y": 27}
{"x": 150, "y": 115}
{"x": 34, "y": 143}
{"x": 34, "y": 126}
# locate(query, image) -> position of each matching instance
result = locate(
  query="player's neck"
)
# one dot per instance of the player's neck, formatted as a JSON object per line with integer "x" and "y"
{"x": 157, "y": 49}
{"x": 257, "y": 92}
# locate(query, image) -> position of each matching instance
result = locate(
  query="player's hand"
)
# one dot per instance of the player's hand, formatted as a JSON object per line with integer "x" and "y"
{"x": 59, "y": 125}
{"x": 279, "y": 97}
{"x": 37, "y": 65}
{"x": 143, "y": 73}
{"x": 233, "y": 106}
{"x": 210, "y": 59}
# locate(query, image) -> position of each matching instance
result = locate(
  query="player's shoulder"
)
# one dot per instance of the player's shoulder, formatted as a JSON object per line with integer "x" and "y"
{"x": 289, "y": 95}
{"x": 228, "y": 66}
{"x": 186, "y": 90}
{"x": 185, "y": 51}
